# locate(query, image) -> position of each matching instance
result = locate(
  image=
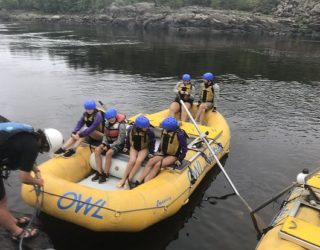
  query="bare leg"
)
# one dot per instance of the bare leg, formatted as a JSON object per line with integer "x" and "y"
{"x": 78, "y": 142}
{"x": 7, "y": 220}
{"x": 148, "y": 167}
{"x": 107, "y": 164}
{"x": 167, "y": 161}
{"x": 141, "y": 156}
{"x": 68, "y": 143}
{"x": 97, "y": 135}
{"x": 132, "y": 160}
{"x": 174, "y": 108}
{"x": 97, "y": 154}
{"x": 198, "y": 113}
{"x": 184, "y": 115}
{"x": 202, "y": 109}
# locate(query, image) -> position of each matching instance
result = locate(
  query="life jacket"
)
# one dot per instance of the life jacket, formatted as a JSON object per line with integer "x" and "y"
{"x": 9, "y": 129}
{"x": 89, "y": 118}
{"x": 169, "y": 143}
{"x": 139, "y": 139}
{"x": 112, "y": 130}
{"x": 186, "y": 88}
{"x": 207, "y": 93}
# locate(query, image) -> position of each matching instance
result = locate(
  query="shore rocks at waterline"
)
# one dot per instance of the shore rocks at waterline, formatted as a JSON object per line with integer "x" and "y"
{"x": 190, "y": 20}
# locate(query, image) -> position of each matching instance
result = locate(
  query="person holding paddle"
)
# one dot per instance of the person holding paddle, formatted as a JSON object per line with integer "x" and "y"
{"x": 183, "y": 89}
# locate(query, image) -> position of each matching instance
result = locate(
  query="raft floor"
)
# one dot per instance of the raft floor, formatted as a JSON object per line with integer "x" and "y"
{"x": 110, "y": 184}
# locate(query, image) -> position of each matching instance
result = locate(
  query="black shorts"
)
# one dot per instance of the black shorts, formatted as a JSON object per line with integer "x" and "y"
{"x": 2, "y": 190}
{"x": 178, "y": 101}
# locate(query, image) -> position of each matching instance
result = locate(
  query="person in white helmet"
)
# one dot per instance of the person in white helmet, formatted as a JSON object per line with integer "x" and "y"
{"x": 20, "y": 145}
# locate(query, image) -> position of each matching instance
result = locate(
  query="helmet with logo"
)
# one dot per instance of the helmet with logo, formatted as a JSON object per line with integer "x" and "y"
{"x": 111, "y": 113}
{"x": 208, "y": 76}
{"x": 89, "y": 104}
{"x": 186, "y": 77}
{"x": 142, "y": 122}
{"x": 170, "y": 123}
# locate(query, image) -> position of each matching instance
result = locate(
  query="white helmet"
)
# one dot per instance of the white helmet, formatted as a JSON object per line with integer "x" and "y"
{"x": 54, "y": 138}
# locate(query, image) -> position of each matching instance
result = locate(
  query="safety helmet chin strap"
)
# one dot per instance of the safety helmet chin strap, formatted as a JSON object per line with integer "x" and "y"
{"x": 44, "y": 144}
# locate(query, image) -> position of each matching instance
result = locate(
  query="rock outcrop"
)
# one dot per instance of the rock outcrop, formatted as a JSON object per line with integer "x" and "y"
{"x": 291, "y": 17}
{"x": 304, "y": 13}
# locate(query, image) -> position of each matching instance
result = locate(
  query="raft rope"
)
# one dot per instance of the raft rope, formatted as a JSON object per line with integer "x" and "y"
{"x": 121, "y": 211}
{"x": 192, "y": 181}
{"x": 38, "y": 192}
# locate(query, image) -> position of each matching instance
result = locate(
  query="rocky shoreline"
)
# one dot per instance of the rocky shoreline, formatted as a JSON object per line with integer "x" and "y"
{"x": 192, "y": 20}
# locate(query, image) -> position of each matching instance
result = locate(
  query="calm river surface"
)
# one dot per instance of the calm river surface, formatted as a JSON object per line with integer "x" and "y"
{"x": 270, "y": 96}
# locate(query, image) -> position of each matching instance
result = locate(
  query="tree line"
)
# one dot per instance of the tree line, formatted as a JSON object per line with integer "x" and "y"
{"x": 92, "y": 6}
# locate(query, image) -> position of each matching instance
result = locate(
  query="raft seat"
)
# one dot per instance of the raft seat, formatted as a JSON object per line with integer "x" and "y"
{"x": 119, "y": 164}
{"x": 301, "y": 233}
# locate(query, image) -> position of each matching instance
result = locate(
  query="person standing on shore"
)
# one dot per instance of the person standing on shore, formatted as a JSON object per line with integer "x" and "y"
{"x": 20, "y": 145}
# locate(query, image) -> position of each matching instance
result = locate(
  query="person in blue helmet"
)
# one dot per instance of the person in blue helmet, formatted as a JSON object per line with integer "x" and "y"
{"x": 209, "y": 95}
{"x": 140, "y": 142}
{"x": 112, "y": 143}
{"x": 183, "y": 89}
{"x": 172, "y": 149}
{"x": 91, "y": 124}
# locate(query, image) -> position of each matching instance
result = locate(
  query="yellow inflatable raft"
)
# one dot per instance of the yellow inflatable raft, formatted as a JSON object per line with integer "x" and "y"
{"x": 297, "y": 225}
{"x": 70, "y": 195}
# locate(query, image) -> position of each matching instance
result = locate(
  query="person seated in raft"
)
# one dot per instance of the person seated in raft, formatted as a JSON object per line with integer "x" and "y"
{"x": 112, "y": 143}
{"x": 140, "y": 142}
{"x": 209, "y": 95}
{"x": 90, "y": 124}
{"x": 172, "y": 149}
{"x": 183, "y": 89}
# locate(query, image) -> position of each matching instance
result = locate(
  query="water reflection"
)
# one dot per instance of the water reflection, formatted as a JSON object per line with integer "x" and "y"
{"x": 101, "y": 48}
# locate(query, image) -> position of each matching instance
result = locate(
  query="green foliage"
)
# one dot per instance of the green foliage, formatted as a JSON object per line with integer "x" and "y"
{"x": 265, "y": 6}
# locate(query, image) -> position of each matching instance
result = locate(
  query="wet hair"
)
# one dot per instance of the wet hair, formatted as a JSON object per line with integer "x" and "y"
{"x": 44, "y": 144}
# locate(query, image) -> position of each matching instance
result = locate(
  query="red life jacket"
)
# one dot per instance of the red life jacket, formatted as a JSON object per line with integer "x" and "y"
{"x": 112, "y": 130}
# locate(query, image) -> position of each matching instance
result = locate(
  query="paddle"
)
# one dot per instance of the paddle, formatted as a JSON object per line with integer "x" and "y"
{"x": 204, "y": 139}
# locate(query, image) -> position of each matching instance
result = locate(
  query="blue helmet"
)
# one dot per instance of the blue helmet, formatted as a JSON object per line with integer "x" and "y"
{"x": 89, "y": 104}
{"x": 142, "y": 121}
{"x": 208, "y": 76}
{"x": 111, "y": 113}
{"x": 186, "y": 77}
{"x": 170, "y": 123}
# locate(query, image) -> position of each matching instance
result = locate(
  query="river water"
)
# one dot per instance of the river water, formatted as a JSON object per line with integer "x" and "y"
{"x": 270, "y": 94}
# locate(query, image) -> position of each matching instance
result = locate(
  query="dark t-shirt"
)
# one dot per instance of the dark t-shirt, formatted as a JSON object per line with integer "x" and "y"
{"x": 21, "y": 150}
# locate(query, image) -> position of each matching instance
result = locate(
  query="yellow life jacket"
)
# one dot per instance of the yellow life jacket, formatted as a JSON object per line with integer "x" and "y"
{"x": 184, "y": 87}
{"x": 138, "y": 139}
{"x": 207, "y": 93}
{"x": 169, "y": 143}
{"x": 89, "y": 118}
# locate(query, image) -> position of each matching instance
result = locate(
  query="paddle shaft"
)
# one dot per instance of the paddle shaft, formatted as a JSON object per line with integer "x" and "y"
{"x": 204, "y": 139}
